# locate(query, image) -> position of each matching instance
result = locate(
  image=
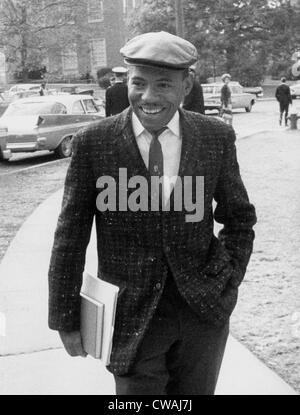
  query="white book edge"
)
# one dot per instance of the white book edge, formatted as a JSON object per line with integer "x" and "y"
{"x": 106, "y": 293}
{"x": 99, "y": 322}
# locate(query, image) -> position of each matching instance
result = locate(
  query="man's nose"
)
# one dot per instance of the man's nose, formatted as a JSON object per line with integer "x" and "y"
{"x": 149, "y": 95}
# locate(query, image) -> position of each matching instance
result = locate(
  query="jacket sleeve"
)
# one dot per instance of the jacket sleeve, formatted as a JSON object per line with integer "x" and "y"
{"x": 71, "y": 239}
{"x": 108, "y": 103}
{"x": 201, "y": 100}
{"x": 290, "y": 96}
{"x": 235, "y": 212}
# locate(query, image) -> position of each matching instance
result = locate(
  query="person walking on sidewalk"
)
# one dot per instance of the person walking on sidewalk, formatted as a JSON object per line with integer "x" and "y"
{"x": 43, "y": 90}
{"x": 226, "y": 103}
{"x": 284, "y": 97}
{"x": 178, "y": 281}
{"x": 116, "y": 99}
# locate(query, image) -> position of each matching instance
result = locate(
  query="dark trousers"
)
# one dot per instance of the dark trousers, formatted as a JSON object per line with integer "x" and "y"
{"x": 284, "y": 108}
{"x": 179, "y": 355}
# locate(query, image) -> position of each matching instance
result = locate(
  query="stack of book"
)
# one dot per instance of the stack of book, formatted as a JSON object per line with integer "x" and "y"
{"x": 98, "y": 309}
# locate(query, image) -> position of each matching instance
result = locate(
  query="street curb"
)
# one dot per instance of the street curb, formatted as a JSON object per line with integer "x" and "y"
{"x": 266, "y": 99}
{"x": 244, "y": 137}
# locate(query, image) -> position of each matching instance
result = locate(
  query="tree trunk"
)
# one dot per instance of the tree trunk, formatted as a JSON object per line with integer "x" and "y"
{"x": 230, "y": 58}
{"x": 179, "y": 12}
{"x": 24, "y": 45}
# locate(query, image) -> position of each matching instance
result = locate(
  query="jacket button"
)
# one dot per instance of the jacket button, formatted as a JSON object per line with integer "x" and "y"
{"x": 158, "y": 286}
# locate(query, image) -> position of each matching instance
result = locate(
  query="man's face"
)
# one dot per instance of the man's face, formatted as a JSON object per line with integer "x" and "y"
{"x": 155, "y": 94}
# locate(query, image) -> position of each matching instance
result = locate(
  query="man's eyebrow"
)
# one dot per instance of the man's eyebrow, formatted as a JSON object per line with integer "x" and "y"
{"x": 164, "y": 80}
{"x": 138, "y": 78}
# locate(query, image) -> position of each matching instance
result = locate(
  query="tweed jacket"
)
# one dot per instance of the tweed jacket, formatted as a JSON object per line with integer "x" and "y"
{"x": 137, "y": 250}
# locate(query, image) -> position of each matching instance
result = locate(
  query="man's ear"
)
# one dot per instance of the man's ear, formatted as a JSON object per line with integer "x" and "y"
{"x": 188, "y": 84}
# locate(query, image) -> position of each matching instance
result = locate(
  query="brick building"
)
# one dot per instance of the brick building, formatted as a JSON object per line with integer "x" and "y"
{"x": 101, "y": 27}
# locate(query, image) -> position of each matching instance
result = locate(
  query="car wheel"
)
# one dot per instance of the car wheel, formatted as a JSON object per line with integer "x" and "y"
{"x": 249, "y": 108}
{"x": 2, "y": 159}
{"x": 64, "y": 150}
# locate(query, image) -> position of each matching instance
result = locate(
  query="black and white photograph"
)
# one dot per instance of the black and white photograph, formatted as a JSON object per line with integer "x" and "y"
{"x": 150, "y": 200}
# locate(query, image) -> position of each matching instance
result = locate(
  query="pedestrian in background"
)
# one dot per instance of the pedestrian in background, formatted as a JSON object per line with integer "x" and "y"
{"x": 226, "y": 103}
{"x": 194, "y": 101}
{"x": 112, "y": 81}
{"x": 116, "y": 97}
{"x": 43, "y": 89}
{"x": 284, "y": 97}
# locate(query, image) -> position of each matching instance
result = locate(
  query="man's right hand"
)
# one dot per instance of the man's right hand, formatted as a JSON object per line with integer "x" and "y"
{"x": 72, "y": 343}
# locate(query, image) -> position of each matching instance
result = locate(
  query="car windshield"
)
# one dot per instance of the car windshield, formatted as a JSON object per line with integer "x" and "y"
{"x": 210, "y": 89}
{"x": 32, "y": 108}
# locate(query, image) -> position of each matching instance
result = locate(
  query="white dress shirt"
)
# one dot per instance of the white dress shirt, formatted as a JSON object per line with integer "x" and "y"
{"x": 171, "y": 143}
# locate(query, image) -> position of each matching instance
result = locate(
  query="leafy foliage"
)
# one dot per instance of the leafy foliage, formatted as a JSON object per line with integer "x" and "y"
{"x": 243, "y": 37}
{"x": 29, "y": 29}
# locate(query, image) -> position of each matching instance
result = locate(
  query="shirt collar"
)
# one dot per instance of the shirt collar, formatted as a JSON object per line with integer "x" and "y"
{"x": 173, "y": 125}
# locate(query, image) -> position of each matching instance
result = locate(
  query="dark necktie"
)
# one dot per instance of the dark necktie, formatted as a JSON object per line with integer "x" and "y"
{"x": 156, "y": 165}
{"x": 156, "y": 159}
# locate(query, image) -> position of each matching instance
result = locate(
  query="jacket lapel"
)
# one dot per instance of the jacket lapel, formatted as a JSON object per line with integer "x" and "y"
{"x": 129, "y": 153}
{"x": 191, "y": 141}
{"x": 192, "y": 152}
{"x": 192, "y": 160}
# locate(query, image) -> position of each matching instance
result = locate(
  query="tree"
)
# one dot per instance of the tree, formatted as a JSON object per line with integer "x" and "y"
{"x": 285, "y": 21}
{"x": 153, "y": 16}
{"x": 236, "y": 36}
{"x": 30, "y": 29}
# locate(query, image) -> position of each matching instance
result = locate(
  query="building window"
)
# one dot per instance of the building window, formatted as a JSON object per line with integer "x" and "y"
{"x": 95, "y": 11}
{"x": 129, "y": 5}
{"x": 98, "y": 53}
{"x": 70, "y": 62}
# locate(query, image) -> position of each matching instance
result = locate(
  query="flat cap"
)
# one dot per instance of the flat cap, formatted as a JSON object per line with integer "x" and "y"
{"x": 160, "y": 49}
{"x": 119, "y": 69}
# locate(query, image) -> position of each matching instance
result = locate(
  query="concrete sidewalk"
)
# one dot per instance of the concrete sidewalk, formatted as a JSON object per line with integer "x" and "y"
{"x": 28, "y": 364}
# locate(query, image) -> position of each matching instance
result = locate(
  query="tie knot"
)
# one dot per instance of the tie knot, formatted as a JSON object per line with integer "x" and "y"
{"x": 156, "y": 134}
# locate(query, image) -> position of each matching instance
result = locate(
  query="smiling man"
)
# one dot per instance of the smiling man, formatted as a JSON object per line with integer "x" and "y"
{"x": 156, "y": 94}
{"x": 178, "y": 281}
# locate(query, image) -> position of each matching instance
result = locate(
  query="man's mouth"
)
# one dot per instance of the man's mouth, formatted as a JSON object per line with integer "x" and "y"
{"x": 151, "y": 111}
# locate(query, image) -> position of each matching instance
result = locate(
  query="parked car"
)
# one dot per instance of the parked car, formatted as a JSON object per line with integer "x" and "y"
{"x": 256, "y": 90}
{"x": 22, "y": 88}
{"x": 45, "y": 123}
{"x": 3, "y": 104}
{"x": 240, "y": 99}
{"x": 76, "y": 89}
{"x": 295, "y": 90}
